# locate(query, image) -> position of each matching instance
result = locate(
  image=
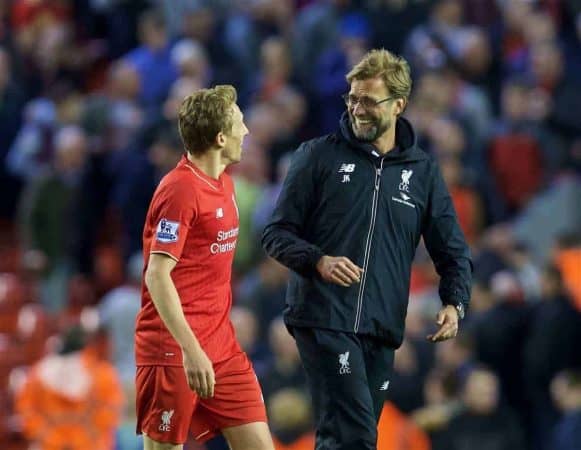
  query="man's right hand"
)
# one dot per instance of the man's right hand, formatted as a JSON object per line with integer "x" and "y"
{"x": 199, "y": 372}
{"x": 339, "y": 270}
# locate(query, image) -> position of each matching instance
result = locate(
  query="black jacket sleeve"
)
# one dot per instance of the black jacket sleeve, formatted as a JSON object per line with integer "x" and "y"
{"x": 283, "y": 236}
{"x": 446, "y": 244}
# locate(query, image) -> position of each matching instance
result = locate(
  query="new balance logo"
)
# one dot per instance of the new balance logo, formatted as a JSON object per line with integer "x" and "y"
{"x": 347, "y": 168}
{"x": 165, "y": 420}
{"x": 344, "y": 362}
{"x": 384, "y": 386}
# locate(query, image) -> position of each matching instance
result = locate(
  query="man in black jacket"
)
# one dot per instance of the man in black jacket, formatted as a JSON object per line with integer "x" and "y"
{"x": 348, "y": 220}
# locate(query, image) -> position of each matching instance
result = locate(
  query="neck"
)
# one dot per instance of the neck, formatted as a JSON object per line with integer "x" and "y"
{"x": 386, "y": 142}
{"x": 210, "y": 163}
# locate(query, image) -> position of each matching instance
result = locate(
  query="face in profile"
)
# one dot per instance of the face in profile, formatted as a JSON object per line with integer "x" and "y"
{"x": 232, "y": 151}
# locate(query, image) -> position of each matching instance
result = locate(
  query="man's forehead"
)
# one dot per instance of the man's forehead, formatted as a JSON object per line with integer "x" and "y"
{"x": 373, "y": 86}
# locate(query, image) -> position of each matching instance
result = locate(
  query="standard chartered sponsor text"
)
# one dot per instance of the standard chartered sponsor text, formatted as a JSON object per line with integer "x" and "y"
{"x": 218, "y": 247}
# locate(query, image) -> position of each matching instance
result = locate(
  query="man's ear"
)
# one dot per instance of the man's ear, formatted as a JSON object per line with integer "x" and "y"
{"x": 400, "y": 105}
{"x": 220, "y": 139}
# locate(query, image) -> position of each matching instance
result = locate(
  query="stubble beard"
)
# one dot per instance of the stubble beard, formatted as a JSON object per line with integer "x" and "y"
{"x": 372, "y": 132}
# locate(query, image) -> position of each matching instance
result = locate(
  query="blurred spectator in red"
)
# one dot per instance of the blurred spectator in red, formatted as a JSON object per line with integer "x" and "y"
{"x": 515, "y": 154}
{"x": 69, "y": 399}
{"x": 41, "y": 29}
{"x": 466, "y": 200}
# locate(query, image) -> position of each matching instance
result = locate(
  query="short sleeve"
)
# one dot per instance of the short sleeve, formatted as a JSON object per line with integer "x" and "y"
{"x": 171, "y": 218}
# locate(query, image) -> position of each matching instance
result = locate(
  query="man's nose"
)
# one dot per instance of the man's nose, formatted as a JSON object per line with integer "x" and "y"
{"x": 357, "y": 109}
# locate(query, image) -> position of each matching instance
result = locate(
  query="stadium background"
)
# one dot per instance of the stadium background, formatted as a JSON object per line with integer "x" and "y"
{"x": 88, "y": 96}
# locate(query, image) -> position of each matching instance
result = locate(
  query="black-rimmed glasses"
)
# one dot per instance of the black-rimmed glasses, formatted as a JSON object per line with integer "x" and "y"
{"x": 365, "y": 102}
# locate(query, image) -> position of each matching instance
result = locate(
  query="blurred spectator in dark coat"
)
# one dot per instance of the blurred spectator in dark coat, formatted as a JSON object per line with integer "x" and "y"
{"x": 48, "y": 223}
{"x": 566, "y": 390}
{"x": 558, "y": 98}
{"x": 263, "y": 290}
{"x": 11, "y": 104}
{"x": 329, "y": 81}
{"x": 499, "y": 334}
{"x": 401, "y": 16}
{"x": 484, "y": 424}
{"x": 285, "y": 369}
{"x": 247, "y": 327}
{"x": 552, "y": 345}
{"x": 135, "y": 186}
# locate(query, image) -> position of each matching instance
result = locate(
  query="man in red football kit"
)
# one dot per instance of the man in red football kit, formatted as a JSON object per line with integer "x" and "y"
{"x": 192, "y": 376}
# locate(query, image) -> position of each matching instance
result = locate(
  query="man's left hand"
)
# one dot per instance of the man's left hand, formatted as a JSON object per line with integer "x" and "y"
{"x": 448, "y": 320}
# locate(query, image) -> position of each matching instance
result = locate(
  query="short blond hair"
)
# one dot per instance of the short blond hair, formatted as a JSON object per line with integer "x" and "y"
{"x": 393, "y": 70}
{"x": 203, "y": 115}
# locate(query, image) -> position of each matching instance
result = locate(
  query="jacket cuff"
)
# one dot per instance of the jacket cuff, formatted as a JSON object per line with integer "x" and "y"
{"x": 312, "y": 259}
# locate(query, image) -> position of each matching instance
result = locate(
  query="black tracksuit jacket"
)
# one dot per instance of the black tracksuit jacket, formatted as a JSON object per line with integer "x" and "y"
{"x": 342, "y": 198}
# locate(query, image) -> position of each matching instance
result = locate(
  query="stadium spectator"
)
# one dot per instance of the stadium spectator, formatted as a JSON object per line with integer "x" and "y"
{"x": 48, "y": 222}
{"x": 484, "y": 423}
{"x": 70, "y": 399}
{"x": 566, "y": 390}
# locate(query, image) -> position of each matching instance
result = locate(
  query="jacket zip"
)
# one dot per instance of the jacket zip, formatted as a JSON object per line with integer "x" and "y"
{"x": 368, "y": 245}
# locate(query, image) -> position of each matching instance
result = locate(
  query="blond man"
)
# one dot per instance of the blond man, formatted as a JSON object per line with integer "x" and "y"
{"x": 192, "y": 376}
{"x": 351, "y": 212}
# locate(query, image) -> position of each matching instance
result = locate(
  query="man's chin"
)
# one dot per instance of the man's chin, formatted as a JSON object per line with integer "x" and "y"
{"x": 364, "y": 135}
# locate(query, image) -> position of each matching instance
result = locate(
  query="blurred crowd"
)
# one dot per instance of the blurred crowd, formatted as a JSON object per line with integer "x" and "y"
{"x": 89, "y": 92}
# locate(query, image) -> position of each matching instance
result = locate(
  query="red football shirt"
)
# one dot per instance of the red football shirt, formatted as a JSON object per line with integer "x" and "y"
{"x": 193, "y": 219}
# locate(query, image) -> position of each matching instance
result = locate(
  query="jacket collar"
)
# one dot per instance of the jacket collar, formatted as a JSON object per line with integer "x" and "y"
{"x": 405, "y": 141}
